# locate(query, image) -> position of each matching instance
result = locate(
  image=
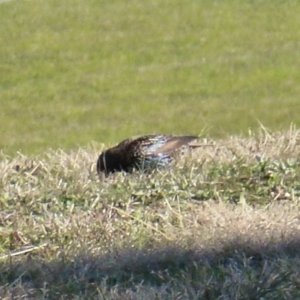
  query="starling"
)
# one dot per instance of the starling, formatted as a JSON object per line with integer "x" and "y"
{"x": 143, "y": 153}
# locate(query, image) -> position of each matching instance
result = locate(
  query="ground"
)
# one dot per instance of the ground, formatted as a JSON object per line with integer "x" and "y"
{"x": 222, "y": 223}
{"x": 80, "y": 76}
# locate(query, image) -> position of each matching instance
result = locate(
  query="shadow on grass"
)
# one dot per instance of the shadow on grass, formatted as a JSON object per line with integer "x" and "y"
{"x": 238, "y": 269}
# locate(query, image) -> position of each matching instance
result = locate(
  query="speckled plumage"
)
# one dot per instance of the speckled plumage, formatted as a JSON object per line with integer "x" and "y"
{"x": 146, "y": 152}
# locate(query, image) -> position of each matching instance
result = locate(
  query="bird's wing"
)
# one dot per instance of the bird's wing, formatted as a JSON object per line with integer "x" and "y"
{"x": 173, "y": 143}
{"x": 144, "y": 150}
{"x": 152, "y": 143}
{"x": 156, "y": 149}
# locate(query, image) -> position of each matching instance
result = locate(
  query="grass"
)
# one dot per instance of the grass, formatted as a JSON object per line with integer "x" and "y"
{"x": 222, "y": 223}
{"x": 73, "y": 72}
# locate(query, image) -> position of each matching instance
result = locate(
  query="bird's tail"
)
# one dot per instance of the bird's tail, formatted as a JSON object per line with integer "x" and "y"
{"x": 197, "y": 145}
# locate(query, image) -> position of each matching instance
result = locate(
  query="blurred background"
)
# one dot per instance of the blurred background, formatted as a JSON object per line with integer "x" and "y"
{"x": 74, "y": 72}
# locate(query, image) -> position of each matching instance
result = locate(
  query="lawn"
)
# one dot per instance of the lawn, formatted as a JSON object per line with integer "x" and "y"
{"x": 78, "y": 76}
{"x": 73, "y": 72}
{"x": 222, "y": 223}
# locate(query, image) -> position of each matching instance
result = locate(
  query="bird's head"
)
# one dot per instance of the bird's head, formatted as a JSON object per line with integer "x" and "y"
{"x": 109, "y": 161}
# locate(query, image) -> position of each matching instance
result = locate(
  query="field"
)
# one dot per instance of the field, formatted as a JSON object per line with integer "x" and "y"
{"x": 75, "y": 71}
{"x": 222, "y": 222}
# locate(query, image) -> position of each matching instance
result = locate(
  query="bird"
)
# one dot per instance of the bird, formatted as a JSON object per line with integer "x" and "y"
{"x": 144, "y": 153}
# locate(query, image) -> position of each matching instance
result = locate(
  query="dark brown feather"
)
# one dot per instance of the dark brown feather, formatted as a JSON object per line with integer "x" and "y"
{"x": 144, "y": 152}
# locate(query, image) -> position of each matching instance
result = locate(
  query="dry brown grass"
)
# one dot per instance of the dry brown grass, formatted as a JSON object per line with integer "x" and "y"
{"x": 221, "y": 224}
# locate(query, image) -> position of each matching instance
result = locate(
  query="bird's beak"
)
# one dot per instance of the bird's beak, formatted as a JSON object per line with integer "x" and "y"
{"x": 105, "y": 167}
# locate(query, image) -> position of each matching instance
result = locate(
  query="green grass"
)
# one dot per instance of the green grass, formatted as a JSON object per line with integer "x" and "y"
{"x": 73, "y": 72}
{"x": 221, "y": 223}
